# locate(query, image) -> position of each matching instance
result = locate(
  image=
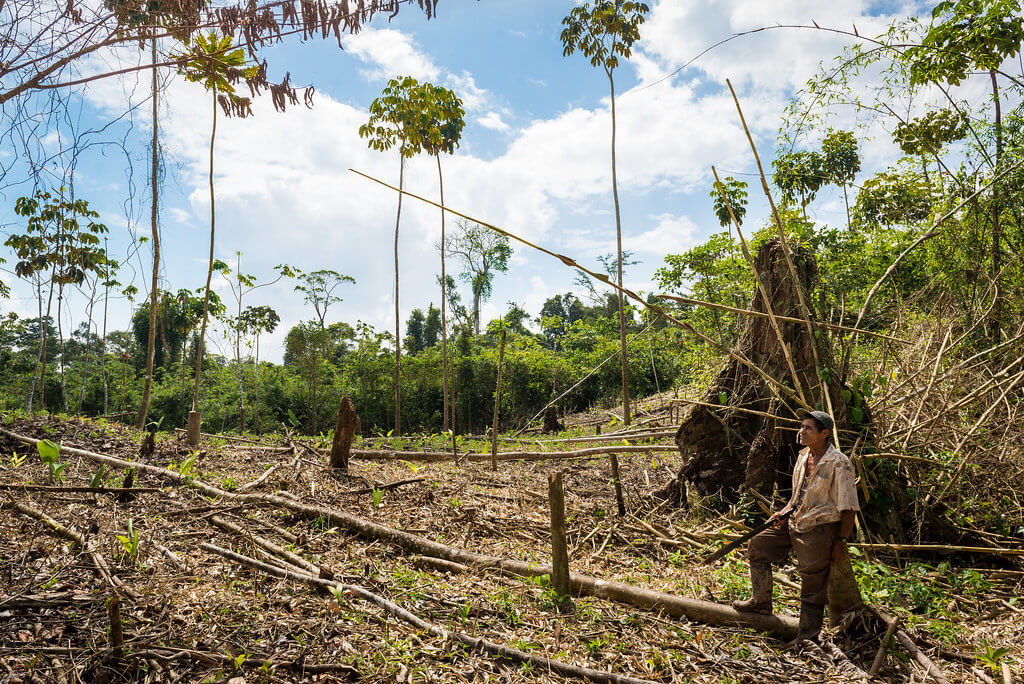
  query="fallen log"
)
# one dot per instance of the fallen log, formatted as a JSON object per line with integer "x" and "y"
{"x": 582, "y": 585}
{"x": 76, "y": 490}
{"x": 268, "y": 546}
{"x": 474, "y": 644}
{"x": 435, "y": 456}
{"x": 940, "y": 548}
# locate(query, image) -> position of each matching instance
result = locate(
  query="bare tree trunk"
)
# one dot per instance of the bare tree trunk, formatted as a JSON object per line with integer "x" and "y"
{"x": 103, "y": 343}
{"x": 39, "y": 357}
{"x": 626, "y": 414}
{"x": 86, "y": 352}
{"x": 445, "y": 370}
{"x": 238, "y": 346}
{"x": 497, "y": 403}
{"x": 398, "y": 320}
{"x": 154, "y": 213}
{"x": 42, "y": 344}
{"x": 60, "y": 337}
{"x": 995, "y": 321}
{"x": 209, "y": 268}
{"x": 344, "y": 430}
{"x": 256, "y": 383}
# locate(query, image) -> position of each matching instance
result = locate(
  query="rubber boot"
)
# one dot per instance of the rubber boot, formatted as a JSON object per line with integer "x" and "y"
{"x": 760, "y": 600}
{"x": 811, "y": 618}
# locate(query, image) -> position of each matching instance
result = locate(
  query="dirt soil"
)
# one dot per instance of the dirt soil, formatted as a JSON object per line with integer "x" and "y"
{"x": 204, "y": 618}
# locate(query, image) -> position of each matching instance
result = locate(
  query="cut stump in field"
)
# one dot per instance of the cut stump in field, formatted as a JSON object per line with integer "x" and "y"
{"x": 551, "y": 422}
{"x": 344, "y": 429}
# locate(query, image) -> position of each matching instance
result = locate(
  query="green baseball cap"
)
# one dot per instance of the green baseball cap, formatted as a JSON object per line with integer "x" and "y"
{"x": 823, "y": 418}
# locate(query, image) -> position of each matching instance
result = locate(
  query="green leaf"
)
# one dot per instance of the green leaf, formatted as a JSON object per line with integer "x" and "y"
{"x": 48, "y": 451}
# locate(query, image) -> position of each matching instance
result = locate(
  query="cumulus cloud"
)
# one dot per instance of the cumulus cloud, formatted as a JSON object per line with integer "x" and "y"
{"x": 389, "y": 53}
{"x": 493, "y": 121}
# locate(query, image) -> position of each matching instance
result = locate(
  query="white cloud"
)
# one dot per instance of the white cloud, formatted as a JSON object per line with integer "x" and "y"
{"x": 671, "y": 234}
{"x": 390, "y": 53}
{"x": 493, "y": 121}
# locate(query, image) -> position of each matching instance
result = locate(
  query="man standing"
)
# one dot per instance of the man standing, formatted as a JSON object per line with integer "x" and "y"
{"x": 822, "y": 511}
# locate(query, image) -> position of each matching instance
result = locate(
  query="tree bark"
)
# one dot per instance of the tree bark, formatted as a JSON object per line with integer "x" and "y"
{"x": 209, "y": 270}
{"x": 445, "y": 370}
{"x": 626, "y": 413}
{"x": 154, "y": 284}
{"x": 995, "y": 320}
{"x": 344, "y": 429}
{"x": 398, "y": 320}
{"x": 559, "y": 550}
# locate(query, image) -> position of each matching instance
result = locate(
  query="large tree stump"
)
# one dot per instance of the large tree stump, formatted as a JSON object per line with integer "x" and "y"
{"x": 344, "y": 429}
{"x": 724, "y": 450}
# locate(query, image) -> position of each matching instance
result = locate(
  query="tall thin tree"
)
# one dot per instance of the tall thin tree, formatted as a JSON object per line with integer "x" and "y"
{"x": 212, "y": 62}
{"x": 604, "y": 32}
{"x": 416, "y": 117}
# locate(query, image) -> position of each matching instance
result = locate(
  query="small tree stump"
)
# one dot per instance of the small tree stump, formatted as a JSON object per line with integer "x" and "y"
{"x": 344, "y": 429}
{"x": 192, "y": 429}
{"x": 559, "y": 550}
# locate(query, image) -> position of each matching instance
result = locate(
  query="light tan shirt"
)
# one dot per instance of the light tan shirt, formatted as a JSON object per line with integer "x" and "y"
{"x": 831, "y": 490}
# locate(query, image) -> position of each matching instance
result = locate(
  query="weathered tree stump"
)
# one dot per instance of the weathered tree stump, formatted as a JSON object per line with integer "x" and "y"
{"x": 725, "y": 450}
{"x": 344, "y": 429}
{"x": 559, "y": 548}
{"x": 551, "y": 423}
{"x": 192, "y": 429}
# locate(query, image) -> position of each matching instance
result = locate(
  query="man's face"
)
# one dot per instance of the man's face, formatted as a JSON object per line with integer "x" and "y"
{"x": 810, "y": 435}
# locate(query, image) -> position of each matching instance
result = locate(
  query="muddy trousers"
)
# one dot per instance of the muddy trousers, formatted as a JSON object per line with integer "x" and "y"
{"x": 813, "y": 552}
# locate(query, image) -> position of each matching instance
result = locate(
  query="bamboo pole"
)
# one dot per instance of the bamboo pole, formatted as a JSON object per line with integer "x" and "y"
{"x": 911, "y": 648}
{"x": 804, "y": 309}
{"x": 433, "y": 456}
{"x": 883, "y": 647}
{"x": 779, "y": 317}
{"x": 581, "y": 381}
{"x": 940, "y": 548}
{"x": 760, "y": 285}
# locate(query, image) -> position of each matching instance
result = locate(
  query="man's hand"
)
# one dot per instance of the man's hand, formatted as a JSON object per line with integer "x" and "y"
{"x": 839, "y": 551}
{"x": 777, "y": 520}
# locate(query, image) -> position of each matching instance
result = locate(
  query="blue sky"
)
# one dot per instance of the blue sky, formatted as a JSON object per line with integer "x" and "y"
{"x": 534, "y": 158}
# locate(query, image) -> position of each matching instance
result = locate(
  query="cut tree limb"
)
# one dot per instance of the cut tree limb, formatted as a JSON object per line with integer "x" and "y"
{"x": 436, "y": 456}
